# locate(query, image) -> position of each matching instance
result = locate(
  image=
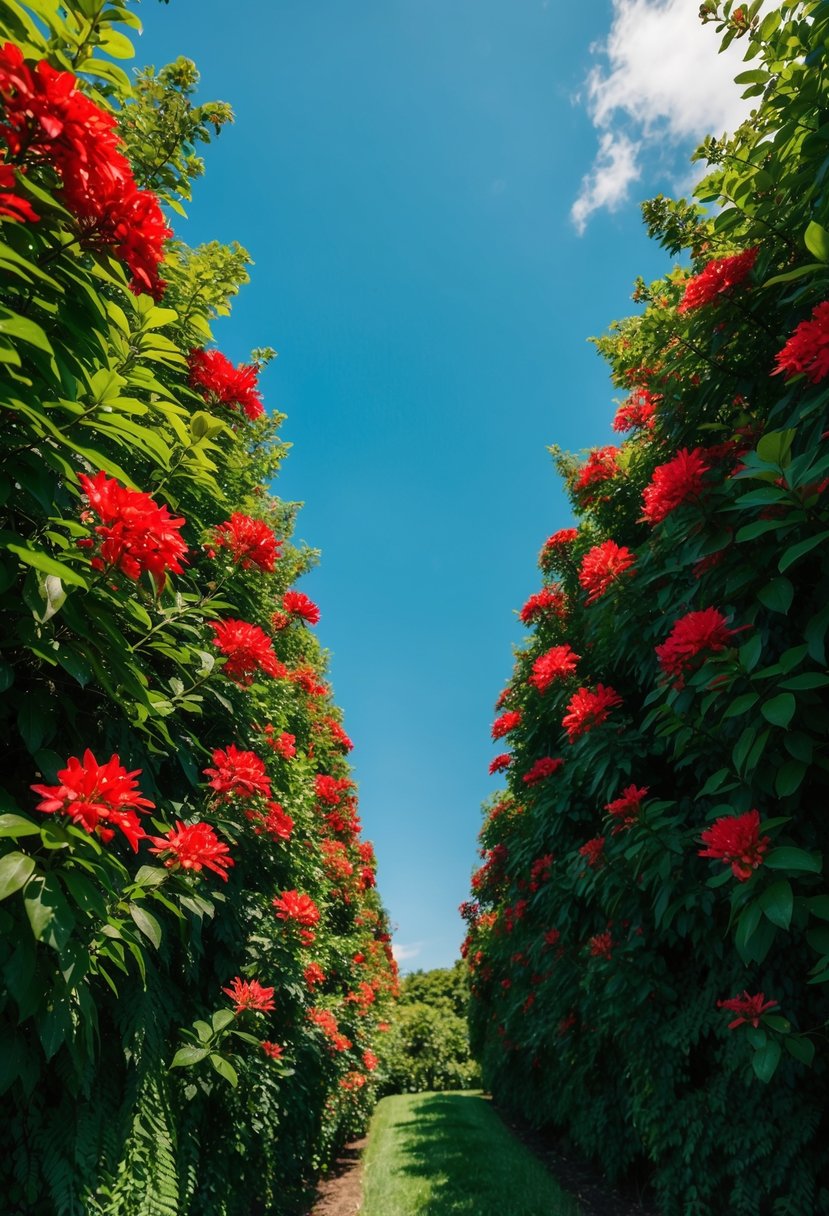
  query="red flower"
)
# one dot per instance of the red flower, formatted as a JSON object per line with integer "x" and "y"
{"x": 137, "y": 535}
{"x": 338, "y": 735}
{"x": 625, "y": 809}
{"x": 12, "y": 206}
{"x": 674, "y": 483}
{"x": 297, "y": 604}
{"x": 639, "y": 410}
{"x": 549, "y": 601}
{"x": 600, "y": 466}
{"x": 557, "y": 663}
{"x": 718, "y": 277}
{"x": 220, "y": 383}
{"x": 543, "y": 768}
{"x": 248, "y": 649}
{"x": 314, "y": 974}
{"x": 602, "y": 566}
{"x": 301, "y": 909}
{"x": 238, "y": 774}
{"x": 94, "y": 794}
{"x": 593, "y": 850}
{"x": 587, "y": 709}
{"x": 807, "y": 350}
{"x": 249, "y": 994}
{"x": 335, "y": 860}
{"x": 501, "y": 763}
{"x": 506, "y": 723}
{"x": 250, "y": 542}
{"x": 284, "y": 743}
{"x": 331, "y": 789}
{"x": 749, "y": 1008}
{"x": 556, "y": 546}
{"x": 193, "y": 846}
{"x": 736, "y": 839}
{"x": 551, "y": 937}
{"x": 352, "y": 1080}
{"x": 601, "y": 945}
{"x": 695, "y": 634}
{"x": 274, "y": 823}
{"x": 306, "y": 679}
{"x": 272, "y": 1050}
{"x": 328, "y": 1025}
{"x": 370, "y": 1061}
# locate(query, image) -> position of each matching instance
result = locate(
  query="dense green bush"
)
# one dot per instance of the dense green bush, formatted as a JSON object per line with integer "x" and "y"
{"x": 648, "y": 937}
{"x": 193, "y": 957}
{"x": 427, "y": 1043}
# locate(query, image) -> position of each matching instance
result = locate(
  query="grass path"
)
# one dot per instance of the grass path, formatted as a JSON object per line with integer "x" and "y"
{"x": 448, "y": 1154}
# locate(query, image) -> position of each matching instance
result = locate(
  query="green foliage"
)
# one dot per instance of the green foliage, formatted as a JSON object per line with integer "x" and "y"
{"x": 601, "y": 942}
{"x": 131, "y": 1084}
{"x": 427, "y": 1044}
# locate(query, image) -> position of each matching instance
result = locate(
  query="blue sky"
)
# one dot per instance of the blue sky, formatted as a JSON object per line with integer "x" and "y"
{"x": 404, "y": 174}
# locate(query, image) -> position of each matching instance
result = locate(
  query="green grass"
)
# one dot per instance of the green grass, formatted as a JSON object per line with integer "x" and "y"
{"x": 448, "y": 1154}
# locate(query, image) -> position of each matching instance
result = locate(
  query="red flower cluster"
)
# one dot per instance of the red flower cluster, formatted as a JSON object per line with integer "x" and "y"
{"x": 284, "y": 743}
{"x": 94, "y": 795}
{"x": 557, "y": 663}
{"x": 674, "y": 483}
{"x": 274, "y": 822}
{"x": 625, "y": 809}
{"x": 328, "y": 1025}
{"x": 12, "y": 206}
{"x": 749, "y": 1008}
{"x": 501, "y": 763}
{"x": 718, "y": 277}
{"x": 370, "y": 1061}
{"x": 639, "y": 410}
{"x": 601, "y": 945}
{"x": 338, "y": 735}
{"x": 693, "y": 635}
{"x": 540, "y": 871}
{"x": 543, "y": 768}
{"x": 272, "y": 1050}
{"x": 249, "y": 994}
{"x": 593, "y": 850}
{"x": 238, "y": 774}
{"x": 602, "y": 566}
{"x": 600, "y": 466}
{"x": 46, "y": 119}
{"x": 335, "y": 860}
{"x": 331, "y": 789}
{"x": 301, "y": 909}
{"x": 250, "y": 542}
{"x": 248, "y": 649}
{"x": 587, "y": 709}
{"x": 736, "y": 839}
{"x": 137, "y": 535}
{"x": 556, "y": 546}
{"x": 299, "y": 605}
{"x": 549, "y": 601}
{"x": 219, "y": 382}
{"x": 306, "y": 679}
{"x": 807, "y": 350}
{"x": 507, "y": 722}
{"x": 193, "y": 846}
{"x": 313, "y": 974}
{"x": 352, "y": 1080}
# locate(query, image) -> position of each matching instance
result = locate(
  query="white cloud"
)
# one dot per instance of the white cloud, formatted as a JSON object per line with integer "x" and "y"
{"x": 402, "y": 953}
{"x": 663, "y": 84}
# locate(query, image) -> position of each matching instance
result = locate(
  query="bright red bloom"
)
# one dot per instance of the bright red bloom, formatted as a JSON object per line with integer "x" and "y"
{"x": 335, "y": 860}
{"x": 220, "y": 383}
{"x": 301, "y": 909}
{"x": 693, "y": 635}
{"x": 543, "y": 768}
{"x": 718, "y": 277}
{"x": 331, "y": 789}
{"x": 549, "y": 601}
{"x": 501, "y": 763}
{"x": 274, "y": 823}
{"x": 600, "y": 466}
{"x": 249, "y": 650}
{"x": 137, "y": 535}
{"x": 601, "y": 945}
{"x": 338, "y": 735}
{"x": 807, "y": 350}
{"x": 328, "y": 1025}
{"x": 736, "y": 839}
{"x": 625, "y": 809}
{"x": 370, "y": 1061}
{"x": 639, "y": 410}
{"x": 12, "y": 206}
{"x": 602, "y": 566}
{"x": 352, "y": 1080}
{"x": 674, "y": 483}
{"x": 313, "y": 974}
{"x": 297, "y": 604}
{"x": 272, "y": 1050}
{"x": 306, "y": 679}
{"x": 193, "y": 846}
{"x": 551, "y": 937}
{"x": 284, "y": 743}
{"x": 593, "y": 850}
{"x": 557, "y": 663}
{"x": 506, "y": 723}
{"x": 749, "y": 1008}
{"x": 587, "y": 709}
{"x": 556, "y": 546}
{"x": 249, "y": 994}
{"x": 366, "y": 852}
{"x": 94, "y": 795}
{"x": 249, "y": 541}
{"x": 238, "y": 774}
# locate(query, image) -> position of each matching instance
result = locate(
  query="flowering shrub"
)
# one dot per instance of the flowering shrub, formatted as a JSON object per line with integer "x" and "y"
{"x": 685, "y": 828}
{"x": 163, "y": 745}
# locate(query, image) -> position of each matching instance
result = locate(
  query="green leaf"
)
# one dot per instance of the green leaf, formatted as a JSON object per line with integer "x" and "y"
{"x": 42, "y": 561}
{"x": 779, "y": 710}
{"x": 765, "y": 1061}
{"x": 819, "y": 906}
{"x": 777, "y": 902}
{"x": 775, "y": 446}
{"x": 14, "y": 326}
{"x": 801, "y": 1048}
{"x": 795, "y": 552}
{"x": 777, "y": 595}
{"x": 818, "y": 939}
{"x": 222, "y": 1018}
{"x": 147, "y": 924}
{"x": 15, "y": 871}
{"x": 816, "y": 240}
{"x": 789, "y": 778}
{"x": 224, "y": 1068}
{"x": 750, "y": 652}
{"x": 789, "y": 858}
{"x": 17, "y": 826}
{"x": 49, "y": 914}
{"x": 151, "y": 876}
{"x": 186, "y": 1056}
